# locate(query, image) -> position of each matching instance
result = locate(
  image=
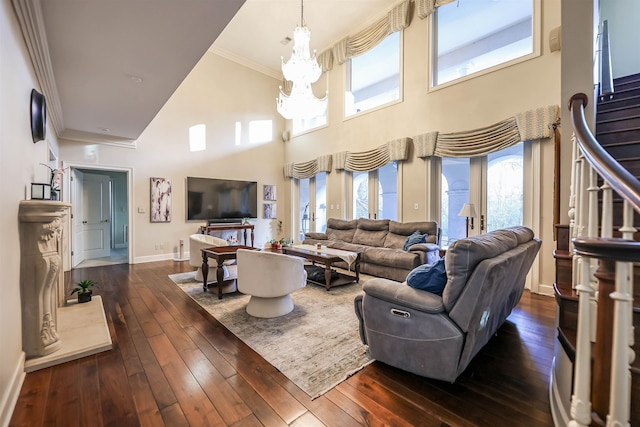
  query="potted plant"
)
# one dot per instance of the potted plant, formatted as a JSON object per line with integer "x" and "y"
{"x": 82, "y": 288}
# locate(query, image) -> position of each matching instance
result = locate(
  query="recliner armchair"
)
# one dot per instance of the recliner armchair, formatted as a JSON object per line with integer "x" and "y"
{"x": 437, "y": 336}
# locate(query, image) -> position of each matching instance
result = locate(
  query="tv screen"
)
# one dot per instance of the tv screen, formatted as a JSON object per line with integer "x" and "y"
{"x": 221, "y": 200}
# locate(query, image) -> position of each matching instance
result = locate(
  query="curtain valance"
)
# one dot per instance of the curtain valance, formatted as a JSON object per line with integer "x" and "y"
{"x": 364, "y": 161}
{"x": 424, "y": 8}
{"x": 532, "y": 124}
{"x": 308, "y": 169}
{"x": 397, "y": 19}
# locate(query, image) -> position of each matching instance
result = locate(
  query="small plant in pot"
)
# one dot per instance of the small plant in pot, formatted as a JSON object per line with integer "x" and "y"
{"x": 82, "y": 288}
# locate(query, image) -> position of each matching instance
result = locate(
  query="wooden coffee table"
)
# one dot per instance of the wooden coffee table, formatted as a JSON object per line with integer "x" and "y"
{"x": 220, "y": 254}
{"x": 328, "y": 260}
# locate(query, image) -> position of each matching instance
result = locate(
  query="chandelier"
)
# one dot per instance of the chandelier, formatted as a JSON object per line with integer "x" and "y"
{"x": 302, "y": 70}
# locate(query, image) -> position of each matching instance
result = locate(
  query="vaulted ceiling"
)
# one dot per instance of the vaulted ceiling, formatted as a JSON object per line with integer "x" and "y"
{"x": 108, "y": 67}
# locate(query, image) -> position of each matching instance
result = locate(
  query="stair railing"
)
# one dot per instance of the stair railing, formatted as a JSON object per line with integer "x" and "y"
{"x": 603, "y": 278}
{"x": 606, "y": 74}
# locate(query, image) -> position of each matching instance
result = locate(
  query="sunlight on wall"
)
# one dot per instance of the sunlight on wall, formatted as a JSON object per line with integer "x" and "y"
{"x": 260, "y": 131}
{"x": 198, "y": 138}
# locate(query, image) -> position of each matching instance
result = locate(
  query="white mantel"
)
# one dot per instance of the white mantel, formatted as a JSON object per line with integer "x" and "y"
{"x": 51, "y": 336}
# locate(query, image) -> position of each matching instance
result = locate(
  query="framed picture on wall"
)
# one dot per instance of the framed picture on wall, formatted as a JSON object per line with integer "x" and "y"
{"x": 269, "y": 193}
{"x": 269, "y": 211}
{"x": 160, "y": 200}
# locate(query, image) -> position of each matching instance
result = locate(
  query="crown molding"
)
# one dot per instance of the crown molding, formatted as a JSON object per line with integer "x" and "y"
{"x": 246, "y": 62}
{"x": 29, "y": 14}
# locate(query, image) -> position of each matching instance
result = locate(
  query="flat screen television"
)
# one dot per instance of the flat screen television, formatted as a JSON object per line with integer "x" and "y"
{"x": 221, "y": 200}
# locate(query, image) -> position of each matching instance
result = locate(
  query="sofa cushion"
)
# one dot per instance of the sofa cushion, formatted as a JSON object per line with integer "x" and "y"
{"x": 371, "y": 232}
{"x": 464, "y": 255}
{"x": 399, "y": 231}
{"x": 341, "y": 230}
{"x": 412, "y": 239}
{"x": 391, "y": 257}
{"x": 429, "y": 277}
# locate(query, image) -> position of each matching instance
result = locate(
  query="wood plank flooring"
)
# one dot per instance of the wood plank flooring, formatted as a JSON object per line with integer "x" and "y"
{"x": 172, "y": 364}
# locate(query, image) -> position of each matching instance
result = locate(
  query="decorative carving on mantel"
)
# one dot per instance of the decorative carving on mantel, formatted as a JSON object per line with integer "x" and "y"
{"x": 41, "y": 274}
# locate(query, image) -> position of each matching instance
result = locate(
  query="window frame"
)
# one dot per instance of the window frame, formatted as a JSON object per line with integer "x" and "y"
{"x": 431, "y": 51}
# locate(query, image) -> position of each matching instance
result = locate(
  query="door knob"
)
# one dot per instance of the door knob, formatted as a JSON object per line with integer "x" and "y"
{"x": 481, "y": 222}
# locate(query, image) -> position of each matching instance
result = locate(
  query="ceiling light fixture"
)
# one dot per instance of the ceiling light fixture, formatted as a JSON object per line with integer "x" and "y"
{"x": 302, "y": 70}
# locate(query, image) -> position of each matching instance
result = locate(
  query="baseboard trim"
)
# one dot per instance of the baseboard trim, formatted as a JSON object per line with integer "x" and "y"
{"x": 9, "y": 399}
{"x": 152, "y": 258}
{"x": 545, "y": 290}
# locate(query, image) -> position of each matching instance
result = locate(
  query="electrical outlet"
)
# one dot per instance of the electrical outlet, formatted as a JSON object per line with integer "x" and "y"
{"x": 338, "y": 206}
{"x": 140, "y": 210}
{"x": 415, "y": 206}
{"x": 331, "y": 205}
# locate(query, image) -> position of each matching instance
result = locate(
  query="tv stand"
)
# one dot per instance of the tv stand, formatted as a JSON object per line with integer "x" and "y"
{"x": 205, "y": 229}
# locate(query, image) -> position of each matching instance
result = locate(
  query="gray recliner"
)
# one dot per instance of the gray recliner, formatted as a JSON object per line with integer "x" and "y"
{"x": 437, "y": 337}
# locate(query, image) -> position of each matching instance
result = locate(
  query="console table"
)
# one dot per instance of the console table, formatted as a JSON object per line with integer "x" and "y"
{"x": 205, "y": 229}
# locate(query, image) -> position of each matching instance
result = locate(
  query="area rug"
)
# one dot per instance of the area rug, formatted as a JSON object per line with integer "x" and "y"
{"x": 316, "y": 346}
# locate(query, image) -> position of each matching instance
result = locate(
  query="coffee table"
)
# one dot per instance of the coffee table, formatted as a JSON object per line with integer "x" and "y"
{"x": 327, "y": 259}
{"x": 220, "y": 254}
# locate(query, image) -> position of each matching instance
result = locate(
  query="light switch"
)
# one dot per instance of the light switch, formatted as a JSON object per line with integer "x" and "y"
{"x": 415, "y": 206}
{"x": 140, "y": 210}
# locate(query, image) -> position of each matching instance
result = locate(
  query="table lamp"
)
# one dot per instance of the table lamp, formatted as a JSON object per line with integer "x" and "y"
{"x": 468, "y": 211}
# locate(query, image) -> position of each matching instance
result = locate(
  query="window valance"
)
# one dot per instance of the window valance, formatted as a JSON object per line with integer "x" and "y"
{"x": 397, "y": 19}
{"x": 424, "y": 8}
{"x": 396, "y": 150}
{"x": 308, "y": 169}
{"x": 532, "y": 124}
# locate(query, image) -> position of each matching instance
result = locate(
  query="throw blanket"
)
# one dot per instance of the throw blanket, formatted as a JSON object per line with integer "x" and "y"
{"x": 346, "y": 256}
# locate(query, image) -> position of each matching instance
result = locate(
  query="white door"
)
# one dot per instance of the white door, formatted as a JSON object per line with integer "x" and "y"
{"x": 375, "y": 193}
{"x": 77, "y": 253}
{"x": 96, "y": 239}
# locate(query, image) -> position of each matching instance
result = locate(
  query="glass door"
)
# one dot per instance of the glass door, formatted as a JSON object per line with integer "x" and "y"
{"x": 375, "y": 193}
{"x": 312, "y": 205}
{"x": 494, "y": 187}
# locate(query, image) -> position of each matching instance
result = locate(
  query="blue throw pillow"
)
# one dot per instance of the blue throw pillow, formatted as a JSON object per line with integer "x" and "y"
{"x": 429, "y": 277}
{"x": 414, "y": 238}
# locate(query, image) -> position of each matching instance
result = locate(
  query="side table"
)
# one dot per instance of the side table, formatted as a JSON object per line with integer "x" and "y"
{"x": 220, "y": 254}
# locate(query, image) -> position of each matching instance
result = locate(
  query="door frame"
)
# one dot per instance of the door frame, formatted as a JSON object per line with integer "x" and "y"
{"x": 67, "y": 198}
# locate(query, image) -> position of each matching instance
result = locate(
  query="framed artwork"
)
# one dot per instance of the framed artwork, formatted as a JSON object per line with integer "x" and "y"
{"x": 269, "y": 211}
{"x": 269, "y": 192}
{"x": 160, "y": 200}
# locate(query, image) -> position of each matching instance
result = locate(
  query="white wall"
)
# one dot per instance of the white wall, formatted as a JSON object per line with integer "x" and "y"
{"x": 624, "y": 34}
{"x": 19, "y": 166}
{"x": 218, "y": 93}
{"x": 475, "y": 103}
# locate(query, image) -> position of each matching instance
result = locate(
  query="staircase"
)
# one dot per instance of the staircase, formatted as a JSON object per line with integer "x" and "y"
{"x": 618, "y": 132}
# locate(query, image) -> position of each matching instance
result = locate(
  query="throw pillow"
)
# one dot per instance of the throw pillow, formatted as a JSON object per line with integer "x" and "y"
{"x": 429, "y": 277}
{"x": 414, "y": 238}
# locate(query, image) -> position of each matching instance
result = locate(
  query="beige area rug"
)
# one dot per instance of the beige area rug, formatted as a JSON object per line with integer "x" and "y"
{"x": 316, "y": 346}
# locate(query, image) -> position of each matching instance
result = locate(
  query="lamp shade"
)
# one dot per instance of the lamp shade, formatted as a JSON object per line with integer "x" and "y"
{"x": 468, "y": 210}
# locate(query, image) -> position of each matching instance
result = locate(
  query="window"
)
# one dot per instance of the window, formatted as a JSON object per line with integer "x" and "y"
{"x": 373, "y": 78}
{"x": 299, "y": 126}
{"x": 475, "y": 35}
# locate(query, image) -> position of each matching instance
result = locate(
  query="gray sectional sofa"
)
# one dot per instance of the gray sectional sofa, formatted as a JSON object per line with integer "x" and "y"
{"x": 380, "y": 242}
{"x": 437, "y": 336}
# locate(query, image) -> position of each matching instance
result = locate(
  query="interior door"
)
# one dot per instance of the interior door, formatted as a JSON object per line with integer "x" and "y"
{"x": 96, "y": 236}
{"x": 77, "y": 253}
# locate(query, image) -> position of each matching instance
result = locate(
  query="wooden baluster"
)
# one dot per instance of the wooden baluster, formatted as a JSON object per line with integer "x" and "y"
{"x": 580, "y": 400}
{"x": 604, "y": 338}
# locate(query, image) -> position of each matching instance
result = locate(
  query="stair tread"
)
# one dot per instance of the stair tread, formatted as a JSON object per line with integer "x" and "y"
{"x": 617, "y": 119}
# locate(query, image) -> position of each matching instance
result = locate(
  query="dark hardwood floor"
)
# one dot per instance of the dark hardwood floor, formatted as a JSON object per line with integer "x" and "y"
{"x": 173, "y": 364}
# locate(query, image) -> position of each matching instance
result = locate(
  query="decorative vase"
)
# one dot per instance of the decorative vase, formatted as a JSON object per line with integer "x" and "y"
{"x": 84, "y": 297}
{"x": 54, "y": 196}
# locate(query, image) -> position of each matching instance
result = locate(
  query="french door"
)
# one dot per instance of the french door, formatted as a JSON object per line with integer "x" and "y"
{"x": 312, "y": 206}
{"x": 375, "y": 193}
{"x": 492, "y": 184}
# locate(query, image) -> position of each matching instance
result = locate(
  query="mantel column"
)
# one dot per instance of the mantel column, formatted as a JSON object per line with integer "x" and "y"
{"x": 41, "y": 274}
